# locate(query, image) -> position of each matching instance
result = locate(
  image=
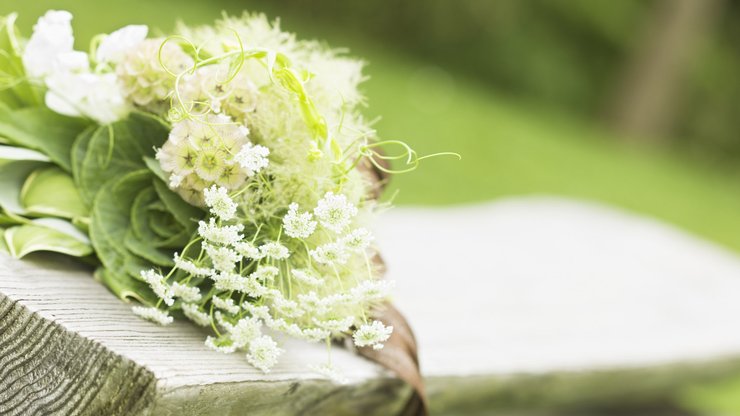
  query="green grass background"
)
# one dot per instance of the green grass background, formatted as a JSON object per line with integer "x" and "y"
{"x": 508, "y": 148}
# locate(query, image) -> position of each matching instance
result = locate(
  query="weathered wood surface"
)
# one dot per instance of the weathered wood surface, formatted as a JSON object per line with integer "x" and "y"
{"x": 519, "y": 306}
{"x": 544, "y": 302}
{"x": 67, "y": 346}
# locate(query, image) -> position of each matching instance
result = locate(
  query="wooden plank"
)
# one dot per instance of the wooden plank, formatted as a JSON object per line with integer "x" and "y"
{"x": 67, "y": 346}
{"x": 551, "y": 303}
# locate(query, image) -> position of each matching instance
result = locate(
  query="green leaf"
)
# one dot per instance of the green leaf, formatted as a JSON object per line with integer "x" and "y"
{"x": 41, "y": 129}
{"x": 52, "y": 191}
{"x": 110, "y": 217}
{"x": 116, "y": 150}
{"x": 15, "y": 90}
{"x": 186, "y": 214}
{"x": 154, "y": 166}
{"x": 13, "y": 175}
{"x": 44, "y": 236}
{"x": 8, "y": 153}
{"x": 125, "y": 287}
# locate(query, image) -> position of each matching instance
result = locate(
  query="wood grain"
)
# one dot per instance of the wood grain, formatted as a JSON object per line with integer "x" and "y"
{"x": 68, "y": 347}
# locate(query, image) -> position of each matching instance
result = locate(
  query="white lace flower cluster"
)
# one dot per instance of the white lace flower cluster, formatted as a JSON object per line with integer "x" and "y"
{"x": 289, "y": 277}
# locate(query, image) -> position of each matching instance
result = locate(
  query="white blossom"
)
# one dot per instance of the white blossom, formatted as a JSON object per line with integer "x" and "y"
{"x": 248, "y": 250}
{"x": 261, "y": 312}
{"x": 51, "y": 37}
{"x": 158, "y": 285}
{"x": 185, "y": 292}
{"x": 298, "y": 225}
{"x": 221, "y": 345}
{"x": 225, "y": 234}
{"x": 287, "y": 307}
{"x": 190, "y": 268}
{"x": 227, "y": 304}
{"x": 263, "y": 353}
{"x": 113, "y": 47}
{"x": 175, "y": 180}
{"x": 334, "y": 211}
{"x": 373, "y": 334}
{"x": 306, "y": 276}
{"x": 193, "y": 312}
{"x": 330, "y": 372}
{"x": 265, "y": 273}
{"x": 274, "y": 250}
{"x": 315, "y": 334}
{"x": 252, "y": 158}
{"x": 371, "y": 290}
{"x": 244, "y": 331}
{"x": 358, "y": 240}
{"x": 224, "y": 259}
{"x": 218, "y": 200}
{"x": 330, "y": 253}
{"x": 155, "y": 315}
{"x": 335, "y": 325}
{"x": 312, "y": 303}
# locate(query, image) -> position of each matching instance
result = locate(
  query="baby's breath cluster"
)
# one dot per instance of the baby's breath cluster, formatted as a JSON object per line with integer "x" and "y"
{"x": 308, "y": 275}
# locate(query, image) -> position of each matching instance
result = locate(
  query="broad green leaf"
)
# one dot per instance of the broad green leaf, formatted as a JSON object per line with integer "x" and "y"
{"x": 13, "y": 175}
{"x": 15, "y": 90}
{"x": 154, "y": 166}
{"x": 116, "y": 150}
{"x": 148, "y": 251}
{"x": 52, "y": 191}
{"x": 125, "y": 287}
{"x": 8, "y": 153}
{"x": 110, "y": 217}
{"x": 28, "y": 238}
{"x": 41, "y": 129}
{"x": 186, "y": 214}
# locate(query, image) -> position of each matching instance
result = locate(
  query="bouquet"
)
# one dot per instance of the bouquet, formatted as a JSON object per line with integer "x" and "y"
{"x": 222, "y": 174}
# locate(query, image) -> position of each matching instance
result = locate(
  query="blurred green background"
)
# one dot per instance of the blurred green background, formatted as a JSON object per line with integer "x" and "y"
{"x": 633, "y": 103}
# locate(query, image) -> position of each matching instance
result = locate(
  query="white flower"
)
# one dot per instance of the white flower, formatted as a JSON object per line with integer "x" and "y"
{"x": 263, "y": 353}
{"x": 370, "y": 290}
{"x": 265, "y": 273}
{"x": 358, "y": 240}
{"x": 52, "y": 36}
{"x": 287, "y": 307}
{"x": 185, "y": 292}
{"x": 175, "y": 180}
{"x": 152, "y": 314}
{"x": 193, "y": 312}
{"x": 222, "y": 345}
{"x": 226, "y": 234}
{"x": 315, "y": 334}
{"x": 248, "y": 250}
{"x": 97, "y": 96}
{"x": 373, "y": 334}
{"x": 330, "y": 253}
{"x": 261, "y": 312}
{"x": 190, "y": 268}
{"x": 217, "y": 198}
{"x": 223, "y": 258}
{"x": 113, "y": 47}
{"x": 312, "y": 303}
{"x": 334, "y": 211}
{"x": 252, "y": 158}
{"x": 244, "y": 331}
{"x": 335, "y": 325}
{"x": 225, "y": 304}
{"x": 307, "y": 277}
{"x": 159, "y": 286}
{"x": 274, "y": 250}
{"x": 330, "y": 372}
{"x": 298, "y": 225}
